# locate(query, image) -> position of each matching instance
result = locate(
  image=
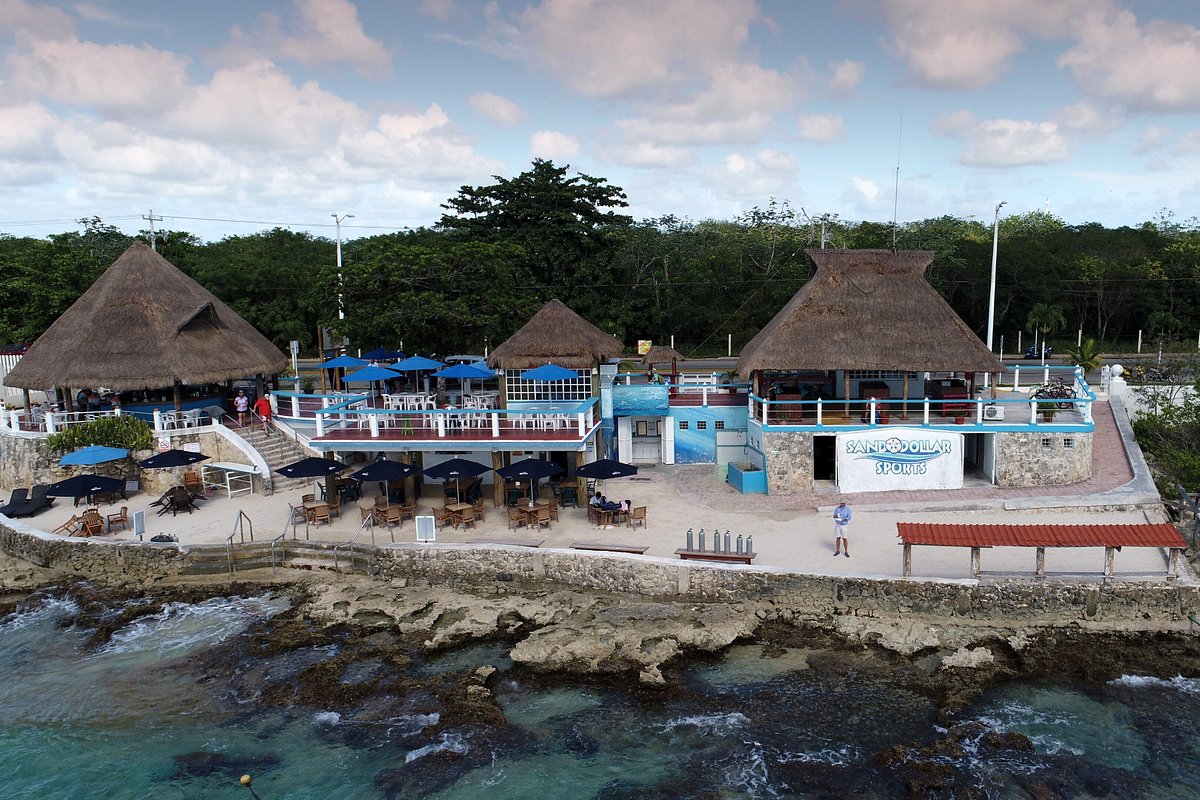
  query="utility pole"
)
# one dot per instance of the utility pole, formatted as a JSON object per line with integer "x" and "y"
{"x": 337, "y": 221}
{"x": 152, "y": 219}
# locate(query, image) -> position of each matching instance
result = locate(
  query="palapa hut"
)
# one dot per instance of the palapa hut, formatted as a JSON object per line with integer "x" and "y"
{"x": 145, "y": 325}
{"x": 557, "y": 335}
{"x": 866, "y": 310}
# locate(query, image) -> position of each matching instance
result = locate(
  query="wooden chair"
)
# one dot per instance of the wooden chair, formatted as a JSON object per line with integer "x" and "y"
{"x": 93, "y": 524}
{"x": 119, "y": 519}
{"x": 442, "y": 516}
{"x": 389, "y": 516}
{"x": 297, "y": 516}
{"x": 464, "y": 518}
{"x": 541, "y": 517}
{"x": 308, "y": 498}
{"x": 321, "y": 514}
{"x": 192, "y": 482}
{"x": 637, "y": 515}
{"x": 335, "y": 505}
{"x": 516, "y": 517}
{"x": 70, "y": 527}
{"x": 478, "y": 507}
{"x": 553, "y": 509}
{"x": 408, "y": 510}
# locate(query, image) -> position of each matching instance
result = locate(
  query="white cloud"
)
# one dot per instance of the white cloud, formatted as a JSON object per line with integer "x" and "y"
{"x": 866, "y": 190}
{"x": 648, "y": 155}
{"x": 1188, "y": 144}
{"x": 607, "y": 48}
{"x": 821, "y": 128}
{"x": 500, "y": 110}
{"x": 441, "y": 10}
{"x": 553, "y": 145}
{"x": 967, "y": 44}
{"x": 1155, "y": 67}
{"x": 1151, "y": 139}
{"x": 38, "y": 20}
{"x": 120, "y": 80}
{"x": 426, "y": 146}
{"x": 1003, "y": 142}
{"x": 767, "y": 173}
{"x": 323, "y": 32}
{"x": 845, "y": 76}
{"x": 25, "y": 130}
{"x": 1086, "y": 118}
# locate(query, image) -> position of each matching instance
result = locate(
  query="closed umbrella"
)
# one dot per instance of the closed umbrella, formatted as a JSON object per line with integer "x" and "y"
{"x": 313, "y": 467}
{"x": 455, "y": 469}
{"x": 94, "y": 454}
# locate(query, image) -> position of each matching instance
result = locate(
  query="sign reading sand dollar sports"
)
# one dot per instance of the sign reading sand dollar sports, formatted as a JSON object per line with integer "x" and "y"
{"x": 889, "y": 459}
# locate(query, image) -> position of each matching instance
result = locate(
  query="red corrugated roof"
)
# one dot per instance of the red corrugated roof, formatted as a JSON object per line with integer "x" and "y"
{"x": 954, "y": 535}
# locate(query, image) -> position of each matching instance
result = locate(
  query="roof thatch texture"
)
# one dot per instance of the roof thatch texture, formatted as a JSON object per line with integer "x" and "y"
{"x": 661, "y": 354}
{"x": 143, "y": 325}
{"x": 867, "y": 310}
{"x": 558, "y": 335}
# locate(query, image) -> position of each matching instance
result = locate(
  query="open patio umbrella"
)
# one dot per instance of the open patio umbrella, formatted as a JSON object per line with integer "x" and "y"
{"x": 382, "y": 354}
{"x": 529, "y": 469}
{"x": 371, "y": 374}
{"x": 94, "y": 454}
{"x": 84, "y": 485}
{"x": 416, "y": 364}
{"x": 313, "y": 467}
{"x": 172, "y": 458}
{"x": 384, "y": 470}
{"x": 344, "y": 362}
{"x": 549, "y": 372}
{"x": 464, "y": 372}
{"x": 456, "y": 468}
{"x": 606, "y": 468}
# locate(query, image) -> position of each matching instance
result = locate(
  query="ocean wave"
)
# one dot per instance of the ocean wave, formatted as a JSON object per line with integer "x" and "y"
{"x": 181, "y": 626}
{"x": 709, "y": 724}
{"x": 329, "y": 718}
{"x": 749, "y": 774}
{"x": 834, "y": 756}
{"x": 1179, "y": 683}
{"x": 48, "y": 609}
{"x": 447, "y": 742}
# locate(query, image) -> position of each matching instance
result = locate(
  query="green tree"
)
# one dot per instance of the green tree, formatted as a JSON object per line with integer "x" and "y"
{"x": 1046, "y": 318}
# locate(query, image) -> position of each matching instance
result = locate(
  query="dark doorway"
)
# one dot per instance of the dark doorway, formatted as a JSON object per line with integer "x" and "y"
{"x": 824, "y": 458}
{"x": 563, "y": 459}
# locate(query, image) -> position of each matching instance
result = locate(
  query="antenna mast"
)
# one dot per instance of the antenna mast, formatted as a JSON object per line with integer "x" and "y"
{"x": 152, "y": 219}
{"x": 896, "y": 195}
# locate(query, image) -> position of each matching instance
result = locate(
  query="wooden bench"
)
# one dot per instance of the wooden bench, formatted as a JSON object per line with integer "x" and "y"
{"x": 612, "y": 547}
{"x": 709, "y": 555}
{"x": 514, "y": 542}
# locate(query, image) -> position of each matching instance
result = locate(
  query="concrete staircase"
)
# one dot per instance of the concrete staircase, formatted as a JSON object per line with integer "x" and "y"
{"x": 278, "y": 450}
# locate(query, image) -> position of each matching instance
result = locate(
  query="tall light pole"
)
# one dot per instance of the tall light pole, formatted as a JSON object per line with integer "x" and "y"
{"x": 992, "y": 289}
{"x": 337, "y": 221}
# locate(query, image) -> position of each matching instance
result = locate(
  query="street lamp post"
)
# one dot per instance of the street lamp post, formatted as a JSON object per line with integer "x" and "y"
{"x": 992, "y": 289}
{"x": 337, "y": 223}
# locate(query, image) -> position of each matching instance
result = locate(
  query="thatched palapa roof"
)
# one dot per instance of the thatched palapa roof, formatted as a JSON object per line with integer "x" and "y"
{"x": 144, "y": 325}
{"x": 868, "y": 310}
{"x": 558, "y": 335}
{"x": 661, "y": 354}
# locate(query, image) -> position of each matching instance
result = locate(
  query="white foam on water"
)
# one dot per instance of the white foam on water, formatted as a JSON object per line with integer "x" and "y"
{"x": 448, "y": 742}
{"x": 327, "y": 718}
{"x": 1020, "y": 715}
{"x": 709, "y": 724}
{"x": 834, "y": 756}
{"x": 1178, "y": 683}
{"x": 51, "y": 608}
{"x": 181, "y": 627}
{"x": 749, "y": 773}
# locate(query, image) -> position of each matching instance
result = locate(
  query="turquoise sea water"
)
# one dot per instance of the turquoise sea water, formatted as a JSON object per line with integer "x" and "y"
{"x": 139, "y": 718}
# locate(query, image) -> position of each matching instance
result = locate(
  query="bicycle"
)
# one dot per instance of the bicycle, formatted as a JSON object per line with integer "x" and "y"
{"x": 1056, "y": 390}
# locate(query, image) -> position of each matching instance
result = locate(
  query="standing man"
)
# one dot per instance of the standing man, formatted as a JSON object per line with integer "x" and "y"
{"x": 241, "y": 404}
{"x": 841, "y": 524}
{"x": 262, "y": 408}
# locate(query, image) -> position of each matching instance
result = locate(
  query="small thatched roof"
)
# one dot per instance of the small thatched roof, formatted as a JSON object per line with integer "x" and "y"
{"x": 555, "y": 334}
{"x": 143, "y": 325}
{"x": 867, "y": 310}
{"x": 661, "y": 354}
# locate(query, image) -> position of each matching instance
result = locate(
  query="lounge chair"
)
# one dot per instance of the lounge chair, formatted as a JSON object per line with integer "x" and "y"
{"x": 16, "y": 501}
{"x": 70, "y": 527}
{"x": 37, "y": 502}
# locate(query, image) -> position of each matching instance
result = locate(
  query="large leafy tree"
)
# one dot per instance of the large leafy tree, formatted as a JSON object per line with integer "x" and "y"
{"x": 567, "y": 226}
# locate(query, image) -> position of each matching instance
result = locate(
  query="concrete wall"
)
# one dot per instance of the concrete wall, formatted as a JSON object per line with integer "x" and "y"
{"x": 1042, "y": 459}
{"x": 788, "y": 461}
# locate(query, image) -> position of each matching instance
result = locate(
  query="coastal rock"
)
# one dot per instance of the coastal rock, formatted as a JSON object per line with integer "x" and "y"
{"x": 969, "y": 657}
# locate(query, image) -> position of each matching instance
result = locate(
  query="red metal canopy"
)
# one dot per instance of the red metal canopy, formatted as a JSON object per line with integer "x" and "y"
{"x": 956, "y": 535}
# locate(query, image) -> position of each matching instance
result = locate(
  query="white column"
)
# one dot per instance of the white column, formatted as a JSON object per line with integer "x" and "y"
{"x": 820, "y": 410}
{"x": 373, "y": 423}
{"x": 495, "y": 415}
{"x": 158, "y": 420}
{"x": 51, "y": 425}
{"x": 320, "y": 424}
{"x": 978, "y": 412}
{"x": 1017, "y": 378}
{"x": 296, "y": 406}
{"x": 925, "y": 421}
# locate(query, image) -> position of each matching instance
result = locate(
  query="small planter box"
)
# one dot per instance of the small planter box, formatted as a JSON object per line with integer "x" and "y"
{"x": 747, "y": 478}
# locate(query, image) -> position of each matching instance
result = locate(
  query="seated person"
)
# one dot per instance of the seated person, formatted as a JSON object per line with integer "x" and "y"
{"x": 624, "y": 507}
{"x": 595, "y": 499}
{"x": 608, "y": 505}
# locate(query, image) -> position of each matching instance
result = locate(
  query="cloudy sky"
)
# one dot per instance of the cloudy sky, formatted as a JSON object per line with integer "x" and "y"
{"x": 230, "y": 117}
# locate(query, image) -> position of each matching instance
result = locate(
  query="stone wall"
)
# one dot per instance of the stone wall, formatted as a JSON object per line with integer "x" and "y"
{"x": 103, "y": 561}
{"x": 788, "y": 458}
{"x": 1042, "y": 459}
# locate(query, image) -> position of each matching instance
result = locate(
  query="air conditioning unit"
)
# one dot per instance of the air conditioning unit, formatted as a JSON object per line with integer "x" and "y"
{"x": 993, "y": 412}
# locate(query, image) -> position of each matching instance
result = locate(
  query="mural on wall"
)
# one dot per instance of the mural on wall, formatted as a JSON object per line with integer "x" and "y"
{"x": 899, "y": 458}
{"x": 696, "y": 431}
{"x": 639, "y": 400}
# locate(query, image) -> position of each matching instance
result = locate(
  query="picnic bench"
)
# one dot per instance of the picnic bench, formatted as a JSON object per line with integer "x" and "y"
{"x": 635, "y": 549}
{"x": 514, "y": 542}
{"x": 709, "y": 555}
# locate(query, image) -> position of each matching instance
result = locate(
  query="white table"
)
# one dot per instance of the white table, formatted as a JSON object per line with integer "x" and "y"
{"x": 234, "y": 478}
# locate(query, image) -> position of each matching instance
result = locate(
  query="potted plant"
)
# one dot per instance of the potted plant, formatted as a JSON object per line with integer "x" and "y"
{"x": 1048, "y": 410}
{"x": 960, "y": 415}
{"x": 729, "y": 378}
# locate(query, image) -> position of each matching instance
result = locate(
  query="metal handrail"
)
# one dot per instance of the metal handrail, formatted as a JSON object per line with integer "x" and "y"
{"x": 238, "y": 528}
{"x": 281, "y": 537}
{"x": 368, "y": 523}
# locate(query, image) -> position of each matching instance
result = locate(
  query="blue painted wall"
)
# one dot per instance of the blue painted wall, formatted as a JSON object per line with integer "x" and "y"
{"x": 695, "y": 446}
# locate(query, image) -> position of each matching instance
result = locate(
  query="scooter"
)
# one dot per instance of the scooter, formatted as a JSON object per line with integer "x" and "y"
{"x": 1031, "y": 351}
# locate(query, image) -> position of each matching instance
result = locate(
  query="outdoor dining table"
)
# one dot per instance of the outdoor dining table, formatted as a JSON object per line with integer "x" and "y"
{"x": 531, "y": 510}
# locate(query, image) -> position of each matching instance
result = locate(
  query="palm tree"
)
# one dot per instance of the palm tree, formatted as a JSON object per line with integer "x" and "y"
{"x": 1046, "y": 318}
{"x": 1086, "y": 355}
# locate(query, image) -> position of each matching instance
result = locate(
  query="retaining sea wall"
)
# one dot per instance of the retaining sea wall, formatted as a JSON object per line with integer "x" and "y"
{"x": 1009, "y": 602}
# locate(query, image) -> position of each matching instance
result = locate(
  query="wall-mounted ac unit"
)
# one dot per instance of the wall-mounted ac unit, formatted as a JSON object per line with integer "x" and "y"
{"x": 993, "y": 412}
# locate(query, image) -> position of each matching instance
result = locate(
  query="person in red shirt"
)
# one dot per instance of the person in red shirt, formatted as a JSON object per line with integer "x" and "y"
{"x": 262, "y": 408}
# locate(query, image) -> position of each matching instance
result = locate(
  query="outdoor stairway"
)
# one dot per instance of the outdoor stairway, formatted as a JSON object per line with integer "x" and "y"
{"x": 278, "y": 450}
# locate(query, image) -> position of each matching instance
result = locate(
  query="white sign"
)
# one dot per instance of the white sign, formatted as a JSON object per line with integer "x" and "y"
{"x": 887, "y": 459}
{"x": 164, "y": 444}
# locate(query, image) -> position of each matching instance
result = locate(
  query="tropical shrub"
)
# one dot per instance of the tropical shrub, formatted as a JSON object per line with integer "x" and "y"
{"x": 111, "y": 431}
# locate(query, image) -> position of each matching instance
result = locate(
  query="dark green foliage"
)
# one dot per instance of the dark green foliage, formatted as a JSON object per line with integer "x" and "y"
{"x": 111, "y": 431}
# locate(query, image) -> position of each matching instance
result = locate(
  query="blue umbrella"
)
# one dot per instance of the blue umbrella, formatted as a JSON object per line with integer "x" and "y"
{"x": 464, "y": 371}
{"x": 382, "y": 354}
{"x": 369, "y": 374}
{"x": 549, "y": 372}
{"x": 95, "y": 454}
{"x": 344, "y": 362}
{"x": 414, "y": 363}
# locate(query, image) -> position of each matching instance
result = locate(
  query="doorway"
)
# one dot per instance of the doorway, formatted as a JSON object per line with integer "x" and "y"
{"x": 824, "y": 458}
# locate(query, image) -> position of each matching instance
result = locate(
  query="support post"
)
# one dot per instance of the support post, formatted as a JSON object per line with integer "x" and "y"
{"x": 926, "y": 416}
{"x": 1109, "y": 554}
{"x": 975, "y": 562}
{"x": 907, "y": 560}
{"x": 1040, "y": 570}
{"x": 904, "y": 408}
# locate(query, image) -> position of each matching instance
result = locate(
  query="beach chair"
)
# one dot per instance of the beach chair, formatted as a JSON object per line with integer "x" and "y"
{"x": 14, "y": 502}
{"x": 321, "y": 514}
{"x": 121, "y": 519}
{"x": 192, "y": 482}
{"x": 70, "y": 527}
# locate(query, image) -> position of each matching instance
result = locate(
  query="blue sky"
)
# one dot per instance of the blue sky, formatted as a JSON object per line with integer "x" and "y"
{"x": 230, "y": 117}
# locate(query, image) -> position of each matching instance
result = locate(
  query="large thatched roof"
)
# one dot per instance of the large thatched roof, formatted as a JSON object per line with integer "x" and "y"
{"x": 867, "y": 310}
{"x": 559, "y": 335}
{"x": 143, "y": 325}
